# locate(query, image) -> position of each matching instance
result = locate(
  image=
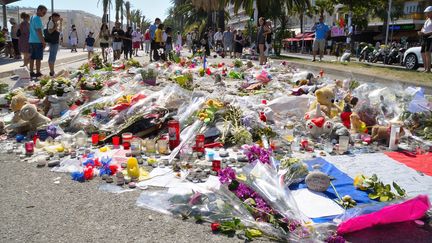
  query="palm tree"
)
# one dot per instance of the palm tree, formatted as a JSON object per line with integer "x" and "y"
{"x": 118, "y": 7}
{"x": 135, "y": 17}
{"x": 105, "y": 5}
{"x": 265, "y": 7}
{"x": 322, "y": 6}
{"x": 211, "y": 6}
{"x": 128, "y": 12}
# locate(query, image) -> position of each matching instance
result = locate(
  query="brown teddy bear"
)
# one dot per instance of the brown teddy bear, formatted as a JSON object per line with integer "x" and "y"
{"x": 357, "y": 125}
{"x": 326, "y": 98}
{"x": 17, "y": 102}
{"x": 382, "y": 133}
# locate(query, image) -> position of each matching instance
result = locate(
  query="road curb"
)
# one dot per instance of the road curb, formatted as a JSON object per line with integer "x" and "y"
{"x": 82, "y": 56}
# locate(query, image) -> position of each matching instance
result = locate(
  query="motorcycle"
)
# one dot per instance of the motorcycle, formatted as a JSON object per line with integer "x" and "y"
{"x": 400, "y": 55}
{"x": 392, "y": 56}
{"x": 365, "y": 52}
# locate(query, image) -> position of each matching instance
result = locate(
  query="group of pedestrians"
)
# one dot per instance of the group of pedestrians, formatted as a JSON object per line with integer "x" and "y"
{"x": 227, "y": 43}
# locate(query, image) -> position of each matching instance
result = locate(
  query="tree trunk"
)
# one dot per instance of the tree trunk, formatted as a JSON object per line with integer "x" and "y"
{"x": 209, "y": 20}
{"x": 221, "y": 19}
{"x": 121, "y": 14}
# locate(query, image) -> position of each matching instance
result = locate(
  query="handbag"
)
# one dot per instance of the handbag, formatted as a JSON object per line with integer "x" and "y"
{"x": 47, "y": 35}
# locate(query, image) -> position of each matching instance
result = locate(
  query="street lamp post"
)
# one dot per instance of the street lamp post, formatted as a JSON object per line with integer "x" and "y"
{"x": 52, "y": 6}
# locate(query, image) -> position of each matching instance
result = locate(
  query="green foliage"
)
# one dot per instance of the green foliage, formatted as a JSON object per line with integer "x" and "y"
{"x": 237, "y": 63}
{"x": 4, "y": 88}
{"x": 133, "y": 63}
{"x": 380, "y": 191}
{"x": 258, "y": 132}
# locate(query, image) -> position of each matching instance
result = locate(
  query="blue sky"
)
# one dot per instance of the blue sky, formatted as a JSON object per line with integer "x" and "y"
{"x": 150, "y": 8}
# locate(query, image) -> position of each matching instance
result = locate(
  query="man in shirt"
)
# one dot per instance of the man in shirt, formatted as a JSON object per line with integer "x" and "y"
{"x": 118, "y": 35}
{"x": 218, "y": 38}
{"x": 227, "y": 39}
{"x": 152, "y": 29}
{"x": 426, "y": 34}
{"x": 36, "y": 41}
{"x": 321, "y": 34}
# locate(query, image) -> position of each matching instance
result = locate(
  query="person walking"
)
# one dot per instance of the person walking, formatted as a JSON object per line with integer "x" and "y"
{"x": 189, "y": 41}
{"x": 426, "y": 36}
{"x": 127, "y": 43}
{"x": 37, "y": 41}
{"x": 168, "y": 43}
{"x": 118, "y": 35}
{"x": 147, "y": 41}
{"x": 179, "y": 40}
{"x": 217, "y": 37}
{"x": 158, "y": 43}
{"x": 152, "y": 30}
{"x": 227, "y": 39}
{"x": 261, "y": 39}
{"x": 53, "y": 40}
{"x": 238, "y": 45}
{"x": 195, "y": 40}
{"x": 73, "y": 38}
{"x": 104, "y": 39}
{"x": 23, "y": 41}
{"x": 269, "y": 38}
{"x": 14, "y": 36}
{"x": 322, "y": 31}
{"x": 89, "y": 44}
{"x": 210, "y": 35}
{"x": 136, "y": 41}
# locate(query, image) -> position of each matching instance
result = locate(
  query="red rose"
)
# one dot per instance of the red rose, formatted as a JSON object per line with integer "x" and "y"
{"x": 215, "y": 226}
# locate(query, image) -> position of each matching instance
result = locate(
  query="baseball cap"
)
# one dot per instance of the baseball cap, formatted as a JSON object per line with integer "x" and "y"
{"x": 428, "y": 9}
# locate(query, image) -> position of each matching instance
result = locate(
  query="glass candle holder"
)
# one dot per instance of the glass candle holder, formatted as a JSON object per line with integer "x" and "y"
{"x": 95, "y": 139}
{"x": 127, "y": 137}
{"x": 29, "y": 148}
{"x": 343, "y": 144}
{"x": 162, "y": 146}
{"x": 116, "y": 141}
{"x": 150, "y": 146}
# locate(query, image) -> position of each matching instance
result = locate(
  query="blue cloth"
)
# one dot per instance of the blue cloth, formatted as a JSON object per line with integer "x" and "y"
{"x": 152, "y": 30}
{"x": 321, "y": 30}
{"x": 35, "y": 24}
{"x": 53, "y": 52}
{"x": 90, "y": 41}
{"x": 341, "y": 181}
{"x": 36, "y": 51}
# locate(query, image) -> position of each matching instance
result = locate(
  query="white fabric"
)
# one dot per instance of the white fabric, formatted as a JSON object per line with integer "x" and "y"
{"x": 218, "y": 36}
{"x": 164, "y": 36}
{"x": 387, "y": 170}
{"x": 427, "y": 27}
{"x": 136, "y": 36}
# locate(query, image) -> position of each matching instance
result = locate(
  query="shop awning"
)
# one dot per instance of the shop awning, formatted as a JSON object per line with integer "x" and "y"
{"x": 6, "y": 2}
{"x": 307, "y": 36}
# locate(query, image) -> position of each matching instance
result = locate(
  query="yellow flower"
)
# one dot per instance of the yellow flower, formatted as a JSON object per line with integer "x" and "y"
{"x": 358, "y": 182}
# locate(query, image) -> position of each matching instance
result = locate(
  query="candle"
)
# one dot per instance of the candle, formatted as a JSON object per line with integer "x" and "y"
{"x": 216, "y": 165}
{"x": 29, "y": 148}
{"x": 199, "y": 147}
{"x": 162, "y": 146}
{"x": 150, "y": 146}
{"x": 127, "y": 137}
{"x": 116, "y": 141}
{"x": 174, "y": 134}
{"x": 126, "y": 145}
{"x": 95, "y": 139}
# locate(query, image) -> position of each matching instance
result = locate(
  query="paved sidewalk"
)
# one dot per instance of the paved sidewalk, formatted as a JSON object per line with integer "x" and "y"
{"x": 7, "y": 66}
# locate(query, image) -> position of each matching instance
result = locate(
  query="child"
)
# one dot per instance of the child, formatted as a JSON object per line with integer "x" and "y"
{"x": 89, "y": 43}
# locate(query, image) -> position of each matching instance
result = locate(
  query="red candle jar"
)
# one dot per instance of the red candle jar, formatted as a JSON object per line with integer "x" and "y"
{"x": 199, "y": 147}
{"x": 29, "y": 148}
{"x": 116, "y": 141}
{"x": 95, "y": 139}
{"x": 174, "y": 134}
{"x": 126, "y": 145}
{"x": 216, "y": 165}
{"x": 127, "y": 137}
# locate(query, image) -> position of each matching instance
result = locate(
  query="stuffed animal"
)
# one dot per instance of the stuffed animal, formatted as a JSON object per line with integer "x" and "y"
{"x": 33, "y": 118}
{"x": 382, "y": 133}
{"x": 317, "y": 123}
{"x": 339, "y": 130}
{"x": 17, "y": 102}
{"x": 357, "y": 125}
{"x": 326, "y": 98}
{"x": 58, "y": 105}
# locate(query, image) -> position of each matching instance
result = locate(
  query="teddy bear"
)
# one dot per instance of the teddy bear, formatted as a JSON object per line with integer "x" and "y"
{"x": 326, "y": 98}
{"x": 17, "y": 102}
{"x": 357, "y": 125}
{"x": 34, "y": 120}
{"x": 317, "y": 123}
{"x": 382, "y": 133}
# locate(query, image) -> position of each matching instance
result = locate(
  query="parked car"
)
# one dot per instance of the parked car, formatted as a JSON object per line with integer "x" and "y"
{"x": 413, "y": 58}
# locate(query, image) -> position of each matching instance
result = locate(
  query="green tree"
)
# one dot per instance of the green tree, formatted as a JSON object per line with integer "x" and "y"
{"x": 128, "y": 13}
{"x": 324, "y": 6}
{"x": 105, "y": 5}
{"x": 118, "y": 8}
{"x": 380, "y": 10}
{"x": 268, "y": 9}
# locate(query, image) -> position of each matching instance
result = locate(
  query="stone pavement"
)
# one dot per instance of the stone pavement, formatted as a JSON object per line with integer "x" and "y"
{"x": 7, "y": 65}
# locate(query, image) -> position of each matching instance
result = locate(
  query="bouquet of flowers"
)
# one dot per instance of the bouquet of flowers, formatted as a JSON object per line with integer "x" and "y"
{"x": 58, "y": 86}
{"x": 133, "y": 63}
{"x": 90, "y": 83}
{"x": 149, "y": 76}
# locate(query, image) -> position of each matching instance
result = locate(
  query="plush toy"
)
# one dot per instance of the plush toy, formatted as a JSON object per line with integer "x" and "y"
{"x": 58, "y": 105}
{"x": 382, "y": 133}
{"x": 326, "y": 98}
{"x": 317, "y": 123}
{"x": 17, "y": 102}
{"x": 357, "y": 125}
{"x": 350, "y": 102}
{"x": 33, "y": 118}
{"x": 339, "y": 130}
